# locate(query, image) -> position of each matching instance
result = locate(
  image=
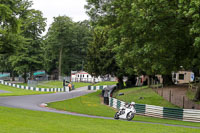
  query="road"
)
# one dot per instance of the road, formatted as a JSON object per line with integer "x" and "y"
{"x": 35, "y": 102}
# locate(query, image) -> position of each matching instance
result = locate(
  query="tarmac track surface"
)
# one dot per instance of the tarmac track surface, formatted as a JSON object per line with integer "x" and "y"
{"x": 35, "y": 102}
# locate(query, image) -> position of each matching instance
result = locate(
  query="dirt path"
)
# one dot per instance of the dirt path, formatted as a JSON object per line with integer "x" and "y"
{"x": 177, "y": 95}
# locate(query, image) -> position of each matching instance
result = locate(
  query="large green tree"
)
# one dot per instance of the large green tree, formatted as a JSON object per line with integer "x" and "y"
{"x": 101, "y": 58}
{"x": 28, "y": 53}
{"x": 10, "y": 13}
{"x": 65, "y": 45}
{"x": 149, "y": 37}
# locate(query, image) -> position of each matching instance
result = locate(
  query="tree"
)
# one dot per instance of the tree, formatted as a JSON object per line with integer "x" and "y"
{"x": 59, "y": 37}
{"x": 65, "y": 45}
{"x": 28, "y": 52}
{"x": 100, "y": 57}
{"x": 191, "y": 10}
{"x": 10, "y": 12}
{"x": 148, "y": 37}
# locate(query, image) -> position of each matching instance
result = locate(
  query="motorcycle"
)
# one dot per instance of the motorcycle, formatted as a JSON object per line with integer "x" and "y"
{"x": 126, "y": 112}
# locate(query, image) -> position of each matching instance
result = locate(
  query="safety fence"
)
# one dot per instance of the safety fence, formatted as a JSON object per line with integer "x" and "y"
{"x": 65, "y": 89}
{"x": 160, "y": 112}
{"x": 96, "y": 87}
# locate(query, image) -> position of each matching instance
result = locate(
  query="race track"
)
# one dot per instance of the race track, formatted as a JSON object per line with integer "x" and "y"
{"x": 35, "y": 102}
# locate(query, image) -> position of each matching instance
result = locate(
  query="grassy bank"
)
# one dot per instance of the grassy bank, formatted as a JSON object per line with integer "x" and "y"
{"x": 91, "y": 104}
{"x": 143, "y": 95}
{"x": 191, "y": 95}
{"x": 18, "y": 92}
{"x": 26, "y": 121}
{"x": 88, "y": 104}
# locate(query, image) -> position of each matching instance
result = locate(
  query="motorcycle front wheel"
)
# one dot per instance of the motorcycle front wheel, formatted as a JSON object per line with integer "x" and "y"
{"x": 130, "y": 116}
{"x": 116, "y": 115}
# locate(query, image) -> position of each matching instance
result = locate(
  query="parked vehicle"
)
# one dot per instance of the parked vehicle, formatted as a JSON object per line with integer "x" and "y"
{"x": 126, "y": 112}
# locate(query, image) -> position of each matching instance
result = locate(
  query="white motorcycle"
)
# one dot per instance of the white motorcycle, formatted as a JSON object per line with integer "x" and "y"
{"x": 126, "y": 112}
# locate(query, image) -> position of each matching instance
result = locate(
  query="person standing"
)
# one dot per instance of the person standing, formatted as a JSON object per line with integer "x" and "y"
{"x": 70, "y": 86}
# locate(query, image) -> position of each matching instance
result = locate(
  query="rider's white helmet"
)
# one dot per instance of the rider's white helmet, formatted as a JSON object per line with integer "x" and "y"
{"x": 133, "y": 103}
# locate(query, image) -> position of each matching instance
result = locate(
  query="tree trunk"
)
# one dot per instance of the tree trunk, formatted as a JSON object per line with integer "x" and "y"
{"x": 149, "y": 80}
{"x": 167, "y": 80}
{"x": 13, "y": 76}
{"x": 24, "y": 76}
{"x": 60, "y": 63}
{"x": 131, "y": 82}
{"x": 93, "y": 82}
{"x": 197, "y": 95}
{"x": 120, "y": 83}
{"x": 31, "y": 75}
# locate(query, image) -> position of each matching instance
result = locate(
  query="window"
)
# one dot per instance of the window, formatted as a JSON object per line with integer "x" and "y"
{"x": 87, "y": 75}
{"x": 83, "y": 75}
{"x": 78, "y": 75}
{"x": 181, "y": 76}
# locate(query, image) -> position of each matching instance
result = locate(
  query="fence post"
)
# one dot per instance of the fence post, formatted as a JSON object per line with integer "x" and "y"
{"x": 157, "y": 85}
{"x": 162, "y": 92}
{"x": 170, "y": 93}
{"x": 183, "y": 101}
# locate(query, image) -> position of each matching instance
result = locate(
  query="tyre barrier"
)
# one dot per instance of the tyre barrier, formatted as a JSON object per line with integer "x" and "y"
{"x": 190, "y": 115}
{"x": 96, "y": 87}
{"x": 65, "y": 89}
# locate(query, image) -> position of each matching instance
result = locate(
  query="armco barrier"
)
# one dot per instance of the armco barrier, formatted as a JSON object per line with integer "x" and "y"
{"x": 160, "y": 112}
{"x": 66, "y": 89}
{"x": 96, "y": 87}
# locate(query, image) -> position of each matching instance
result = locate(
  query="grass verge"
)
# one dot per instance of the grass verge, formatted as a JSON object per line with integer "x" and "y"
{"x": 57, "y": 84}
{"x": 17, "y": 91}
{"x": 143, "y": 95}
{"x": 91, "y": 104}
{"x": 191, "y": 95}
{"x": 26, "y": 121}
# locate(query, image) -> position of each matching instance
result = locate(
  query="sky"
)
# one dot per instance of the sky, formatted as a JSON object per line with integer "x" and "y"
{"x": 53, "y": 8}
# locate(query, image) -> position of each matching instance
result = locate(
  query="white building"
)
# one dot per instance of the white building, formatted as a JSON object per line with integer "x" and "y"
{"x": 82, "y": 76}
{"x": 182, "y": 77}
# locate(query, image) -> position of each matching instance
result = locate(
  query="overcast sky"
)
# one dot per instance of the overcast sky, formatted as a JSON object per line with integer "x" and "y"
{"x": 53, "y": 8}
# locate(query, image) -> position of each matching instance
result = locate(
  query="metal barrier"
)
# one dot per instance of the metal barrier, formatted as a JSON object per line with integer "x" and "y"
{"x": 65, "y": 89}
{"x": 191, "y": 115}
{"x": 96, "y": 87}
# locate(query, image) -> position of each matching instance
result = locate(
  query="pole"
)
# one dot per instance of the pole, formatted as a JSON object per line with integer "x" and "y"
{"x": 183, "y": 101}
{"x": 170, "y": 93}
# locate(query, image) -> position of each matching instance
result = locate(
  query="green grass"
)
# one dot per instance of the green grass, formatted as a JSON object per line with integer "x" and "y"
{"x": 105, "y": 83}
{"x": 26, "y": 121}
{"x": 24, "y": 84}
{"x": 17, "y": 91}
{"x": 143, "y": 95}
{"x": 80, "y": 84}
{"x": 88, "y": 104}
{"x": 57, "y": 84}
{"x": 50, "y": 84}
{"x": 191, "y": 95}
{"x": 91, "y": 104}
